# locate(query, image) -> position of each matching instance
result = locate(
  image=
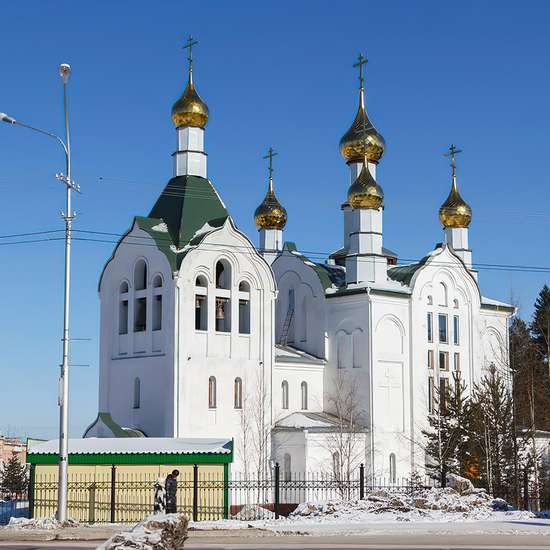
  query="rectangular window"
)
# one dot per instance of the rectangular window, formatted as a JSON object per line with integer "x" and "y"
{"x": 443, "y": 360}
{"x": 223, "y": 315}
{"x": 123, "y": 317}
{"x": 140, "y": 315}
{"x": 157, "y": 312}
{"x": 430, "y": 393}
{"x": 443, "y": 328}
{"x": 430, "y": 358}
{"x": 457, "y": 362}
{"x": 430, "y": 327}
{"x": 456, "y": 330}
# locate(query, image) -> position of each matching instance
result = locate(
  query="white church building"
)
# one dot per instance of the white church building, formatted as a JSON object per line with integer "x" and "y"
{"x": 205, "y": 333}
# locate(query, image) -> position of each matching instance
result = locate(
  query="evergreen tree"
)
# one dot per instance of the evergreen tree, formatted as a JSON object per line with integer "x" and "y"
{"x": 540, "y": 326}
{"x": 447, "y": 436}
{"x": 13, "y": 478}
{"x": 495, "y": 444}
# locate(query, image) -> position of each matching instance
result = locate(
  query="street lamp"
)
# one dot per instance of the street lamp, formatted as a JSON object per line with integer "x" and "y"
{"x": 68, "y": 216}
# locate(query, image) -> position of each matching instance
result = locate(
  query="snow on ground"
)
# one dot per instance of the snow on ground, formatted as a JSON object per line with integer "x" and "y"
{"x": 431, "y": 507}
{"x": 39, "y": 523}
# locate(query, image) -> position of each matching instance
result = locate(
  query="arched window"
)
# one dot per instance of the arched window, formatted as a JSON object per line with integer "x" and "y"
{"x": 393, "y": 469}
{"x": 357, "y": 347}
{"x": 290, "y": 320}
{"x": 284, "y": 388}
{"x": 201, "y": 303}
{"x": 238, "y": 393}
{"x": 244, "y": 308}
{"x": 443, "y": 294}
{"x": 303, "y": 319}
{"x": 137, "y": 393}
{"x": 157, "y": 281}
{"x": 430, "y": 300}
{"x": 157, "y": 302}
{"x": 212, "y": 398}
{"x": 341, "y": 350}
{"x": 455, "y": 303}
{"x": 140, "y": 275}
{"x": 304, "y": 395}
{"x": 223, "y": 274}
{"x": 287, "y": 467}
{"x": 123, "y": 309}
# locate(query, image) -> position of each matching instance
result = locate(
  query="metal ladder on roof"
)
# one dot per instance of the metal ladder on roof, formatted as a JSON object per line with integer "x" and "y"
{"x": 283, "y": 338}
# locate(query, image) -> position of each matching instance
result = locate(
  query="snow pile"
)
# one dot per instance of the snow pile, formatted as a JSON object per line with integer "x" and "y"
{"x": 427, "y": 504}
{"x": 156, "y": 532}
{"x": 252, "y": 512}
{"x": 39, "y": 523}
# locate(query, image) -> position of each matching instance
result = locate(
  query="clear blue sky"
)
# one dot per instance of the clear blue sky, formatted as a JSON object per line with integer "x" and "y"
{"x": 278, "y": 73}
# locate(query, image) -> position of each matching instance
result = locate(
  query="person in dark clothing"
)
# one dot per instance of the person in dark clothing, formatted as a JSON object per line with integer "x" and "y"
{"x": 171, "y": 487}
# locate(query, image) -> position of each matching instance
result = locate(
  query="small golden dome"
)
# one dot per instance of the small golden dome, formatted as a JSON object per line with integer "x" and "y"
{"x": 364, "y": 192}
{"x": 190, "y": 109}
{"x": 455, "y": 212}
{"x": 270, "y": 214}
{"x": 362, "y": 140}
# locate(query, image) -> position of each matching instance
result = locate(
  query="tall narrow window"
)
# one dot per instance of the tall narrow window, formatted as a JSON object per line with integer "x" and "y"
{"x": 443, "y": 294}
{"x": 303, "y": 320}
{"x": 157, "y": 281}
{"x": 223, "y": 274}
{"x": 287, "y": 467}
{"x": 393, "y": 469}
{"x": 443, "y": 337}
{"x": 284, "y": 390}
{"x": 430, "y": 358}
{"x": 457, "y": 362}
{"x": 137, "y": 393}
{"x": 140, "y": 315}
{"x": 157, "y": 312}
{"x": 290, "y": 321}
{"x": 357, "y": 346}
{"x": 430, "y": 326}
{"x": 212, "y": 397}
{"x": 201, "y": 303}
{"x": 244, "y": 308}
{"x": 456, "y": 330}
{"x": 140, "y": 275}
{"x": 430, "y": 394}
{"x": 304, "y": 395}
{"x": 341, "y": 349}
{"x": 238, "y": 391}
{"x": 123, "y": 317}
{"x": 443, "y": 360}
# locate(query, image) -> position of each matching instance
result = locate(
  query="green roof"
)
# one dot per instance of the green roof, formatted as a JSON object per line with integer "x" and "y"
{"x": 403, "y": 274}
{"x": 328, "y": 275}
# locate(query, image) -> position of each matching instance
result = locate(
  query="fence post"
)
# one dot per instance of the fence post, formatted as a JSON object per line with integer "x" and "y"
{"x": 277, "y": 480}
{"x": 195, "y": 492}
{"x": 113, "y": 493}
{"x": 361, "y": 482}
{"x": 91, "y": 503}
{"x": 526, "y": 489}
{"x": 30, "y": 489}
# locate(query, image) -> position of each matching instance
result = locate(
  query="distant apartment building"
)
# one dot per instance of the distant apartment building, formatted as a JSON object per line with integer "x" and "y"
{"x": 11, "y": 445}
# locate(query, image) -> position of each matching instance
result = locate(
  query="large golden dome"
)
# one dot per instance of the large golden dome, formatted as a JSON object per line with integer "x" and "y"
{"x": 455, "y": 212}
{"x": 190, "y": 109}
{"x": 364, "y": 192}
{"x": 362, "y": 140}
{"x": 270, "y": 214}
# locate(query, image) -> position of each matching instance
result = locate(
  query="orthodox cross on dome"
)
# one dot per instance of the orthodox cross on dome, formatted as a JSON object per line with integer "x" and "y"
{"x": 361, "y": 61}
{"x": 270, "y": 154}
{"x": 189, "y": 45}
{"x": 453, "y": 151}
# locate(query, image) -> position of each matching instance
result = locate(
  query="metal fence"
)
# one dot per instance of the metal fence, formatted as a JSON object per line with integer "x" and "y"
{"x": 126, "y": 498}
{"x": 14, "y": 508}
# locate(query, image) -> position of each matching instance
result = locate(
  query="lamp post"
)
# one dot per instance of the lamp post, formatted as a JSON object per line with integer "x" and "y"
{"x": 68, "y": 216}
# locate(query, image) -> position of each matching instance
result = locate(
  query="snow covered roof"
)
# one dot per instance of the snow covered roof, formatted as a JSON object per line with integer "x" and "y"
{"x": 489, "y": 303}
{"x": 312, "y": 421}
{"x": 135, "y": 445}
{"x": 289, "y": 354}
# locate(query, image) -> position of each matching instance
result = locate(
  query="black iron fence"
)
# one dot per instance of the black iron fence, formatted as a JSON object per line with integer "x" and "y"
{"x": 124, "y": 497}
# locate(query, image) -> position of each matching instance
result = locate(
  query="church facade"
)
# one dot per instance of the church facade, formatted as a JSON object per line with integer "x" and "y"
{"x": 315, "y": 365}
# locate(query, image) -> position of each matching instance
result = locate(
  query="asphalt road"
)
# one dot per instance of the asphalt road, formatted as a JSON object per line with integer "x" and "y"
{"x": 380, "y": 542}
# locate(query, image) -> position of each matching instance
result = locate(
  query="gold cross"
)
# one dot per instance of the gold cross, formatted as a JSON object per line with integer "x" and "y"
{"x": 361, "y": 60}
{"x": 453, "y": 151}
{"x": 190, "y": 43}
{"x": 270, "y": 154}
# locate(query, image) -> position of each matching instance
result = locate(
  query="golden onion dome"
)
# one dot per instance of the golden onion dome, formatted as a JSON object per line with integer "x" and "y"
{"x": 362, "y": 139}
{"x": 364, "y": 192}
{"x": 190, "y": 109}
{"x": 270, "y": 214}
{"x": 455, "y": 212}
